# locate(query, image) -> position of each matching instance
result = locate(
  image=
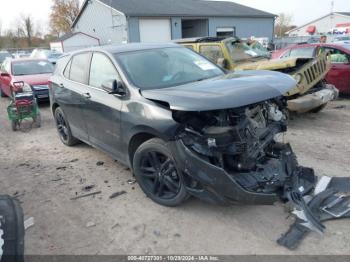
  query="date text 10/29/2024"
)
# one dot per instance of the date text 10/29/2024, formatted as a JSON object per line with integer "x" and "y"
{"x": 173, "y": 258}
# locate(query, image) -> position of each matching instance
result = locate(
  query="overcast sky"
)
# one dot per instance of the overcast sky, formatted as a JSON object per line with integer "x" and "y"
{"x": 302, "y": 10}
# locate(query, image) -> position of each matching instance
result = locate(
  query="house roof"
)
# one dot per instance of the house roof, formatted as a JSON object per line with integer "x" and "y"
{"x": 183, "y": 8}
{"x": 344, "y": 13}
{"x": 313, "y": 21}
{"x": 71, "y": 34}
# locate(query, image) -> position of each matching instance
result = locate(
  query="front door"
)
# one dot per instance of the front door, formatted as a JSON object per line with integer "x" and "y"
{"x": 102, "y": 110}
{"x": 339, "y": 74}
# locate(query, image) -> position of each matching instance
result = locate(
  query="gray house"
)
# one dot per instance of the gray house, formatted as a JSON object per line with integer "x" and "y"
{"x": 121, "y": 21}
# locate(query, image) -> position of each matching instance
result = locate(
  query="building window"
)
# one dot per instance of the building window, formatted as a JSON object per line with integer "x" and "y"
{"x": 225, "y": 31}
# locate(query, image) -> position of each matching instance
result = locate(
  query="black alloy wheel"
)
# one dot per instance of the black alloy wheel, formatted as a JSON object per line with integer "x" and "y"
{"x": 156, "y": 172}
{"x": 63, "y": 128}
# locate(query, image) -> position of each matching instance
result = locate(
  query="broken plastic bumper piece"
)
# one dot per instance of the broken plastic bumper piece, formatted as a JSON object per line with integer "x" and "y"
{"x": 314, "y": 100}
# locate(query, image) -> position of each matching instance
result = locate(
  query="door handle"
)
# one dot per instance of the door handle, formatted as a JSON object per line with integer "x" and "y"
{"x": 86, "y": 95}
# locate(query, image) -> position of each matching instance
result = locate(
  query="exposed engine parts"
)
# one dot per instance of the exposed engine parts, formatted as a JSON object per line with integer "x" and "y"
{"x": 241, "y": 141}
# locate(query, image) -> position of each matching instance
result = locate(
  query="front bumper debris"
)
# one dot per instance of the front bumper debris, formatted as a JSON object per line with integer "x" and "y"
{"x": 213, "y": 184}
{"x": 314, "y": 100}
{"x": 331, "y": 200}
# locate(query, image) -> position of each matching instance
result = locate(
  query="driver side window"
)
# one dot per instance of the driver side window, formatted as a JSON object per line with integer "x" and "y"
{"x": 337, "y": 56}
{"x": 102, "y": 70}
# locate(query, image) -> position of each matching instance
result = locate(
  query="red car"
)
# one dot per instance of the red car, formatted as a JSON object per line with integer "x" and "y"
{"x": 339, "y": 74}
{"x": 17, "y": 74}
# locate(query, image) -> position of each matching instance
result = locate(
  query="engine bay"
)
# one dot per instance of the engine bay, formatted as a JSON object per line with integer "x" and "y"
{"x": 242, "y": 141}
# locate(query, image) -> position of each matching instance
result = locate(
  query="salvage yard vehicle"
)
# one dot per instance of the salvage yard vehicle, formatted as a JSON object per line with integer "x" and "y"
{"x": 339, "y": 73}
{"x": 30, "y": 73}
{"x": 310, "y": 93}
{"x": 181, "y": 123}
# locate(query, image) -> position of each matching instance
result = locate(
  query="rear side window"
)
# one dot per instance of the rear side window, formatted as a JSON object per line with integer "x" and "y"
{"x": 302, "y": 52}
{"x": 79, "y": 68}
{"x": 102, "y": 70}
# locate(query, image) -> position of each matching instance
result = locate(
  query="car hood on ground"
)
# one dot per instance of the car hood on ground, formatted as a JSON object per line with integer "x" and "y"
{"x": 42, "y": 79}
{"x": 276, "y": 64}
{"x": 229, "y": 91}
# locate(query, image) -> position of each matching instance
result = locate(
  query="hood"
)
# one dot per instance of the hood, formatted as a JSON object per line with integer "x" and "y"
{"x": 229, "y": 91}
{"x": 272, "y": 64}
{"x": 42, "y": 79}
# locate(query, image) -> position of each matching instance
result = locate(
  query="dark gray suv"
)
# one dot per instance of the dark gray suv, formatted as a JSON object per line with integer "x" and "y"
{"x": 182, "y": 124}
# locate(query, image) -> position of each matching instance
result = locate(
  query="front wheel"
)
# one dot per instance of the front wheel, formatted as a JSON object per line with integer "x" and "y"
{"x": 157, "y": 174}
{"x": 63, "y": 128}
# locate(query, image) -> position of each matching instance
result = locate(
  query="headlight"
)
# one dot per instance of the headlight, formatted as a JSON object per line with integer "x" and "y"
{"x": 298, "y": 78}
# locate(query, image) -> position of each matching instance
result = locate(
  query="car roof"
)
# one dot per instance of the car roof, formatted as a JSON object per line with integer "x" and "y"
{"x": 26, "y": 59}
{"x": 122, "y": 48}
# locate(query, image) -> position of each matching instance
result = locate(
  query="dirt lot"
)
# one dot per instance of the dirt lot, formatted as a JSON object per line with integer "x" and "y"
{"x": 44, "y": 174}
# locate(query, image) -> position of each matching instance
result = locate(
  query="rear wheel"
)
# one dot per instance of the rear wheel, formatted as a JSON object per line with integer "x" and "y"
{"x": 2, "y": 94}
{"x": 14, "y": 125}
{"x": 157, "y": 174}
{"x": 63, "y": 128}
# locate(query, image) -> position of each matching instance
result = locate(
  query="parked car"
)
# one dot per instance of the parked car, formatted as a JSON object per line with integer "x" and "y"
{"x": 49, "y": 55}
{"x": 4, "y": 55}
{"x": 339, "y": 73}
{"x": 17, "y": 74}
{"x": 182, "y": 124}
{"x": 310, "y": 93}
{"x": 342, "y": 40}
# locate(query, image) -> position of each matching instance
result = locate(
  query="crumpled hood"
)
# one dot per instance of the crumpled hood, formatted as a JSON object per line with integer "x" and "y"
{"x": 229, "y": 91}
{"x": 271, "y": 64}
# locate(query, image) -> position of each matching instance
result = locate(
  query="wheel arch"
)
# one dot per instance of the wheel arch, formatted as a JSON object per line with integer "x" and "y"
{"x": 141, "y": 134}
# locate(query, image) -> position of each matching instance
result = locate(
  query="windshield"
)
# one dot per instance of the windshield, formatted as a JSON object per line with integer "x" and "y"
{"x": 3, "y": 56}
{"x": 166, "y": 67}
{"x": 240, "y": 51}
{"x": 31, "y": 67}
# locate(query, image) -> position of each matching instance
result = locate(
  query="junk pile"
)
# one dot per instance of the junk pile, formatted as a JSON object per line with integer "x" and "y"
{"x": 330, "y": 200}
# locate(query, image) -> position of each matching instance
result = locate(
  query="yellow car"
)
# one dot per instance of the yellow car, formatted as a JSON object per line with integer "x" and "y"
{"x": 311, "y": 92}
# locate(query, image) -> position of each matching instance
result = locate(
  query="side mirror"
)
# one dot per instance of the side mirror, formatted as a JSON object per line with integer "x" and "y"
{"x": 114, "y": 87}
{"x": 4, "y": 74}
{"x": 222, "y": 62}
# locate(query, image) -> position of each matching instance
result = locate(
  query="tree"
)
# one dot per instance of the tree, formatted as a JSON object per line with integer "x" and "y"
{"x": 283, "y": 24}
{"x": 28, "y": 28}
{"x": 63, "y": 14}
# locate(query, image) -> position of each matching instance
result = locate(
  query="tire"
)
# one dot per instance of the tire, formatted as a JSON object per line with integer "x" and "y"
{"x": 160, "y": 180}
{"x": 14, "y": 125}
{"x": 37, "y": 120}
{"x": 12, "y": 225}
{"x": 319, "y": 109}
{"x": 2, "y": 94}
{"x": 63, "y": 128}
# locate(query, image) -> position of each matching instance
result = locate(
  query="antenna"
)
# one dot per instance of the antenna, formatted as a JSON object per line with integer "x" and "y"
{"x": 332, "y": 6}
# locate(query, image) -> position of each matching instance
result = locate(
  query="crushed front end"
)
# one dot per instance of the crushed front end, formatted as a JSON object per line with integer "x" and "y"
{"x": 234, "y": 156}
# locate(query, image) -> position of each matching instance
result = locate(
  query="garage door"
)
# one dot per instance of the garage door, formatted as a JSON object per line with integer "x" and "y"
{"x": 155, "y": 30}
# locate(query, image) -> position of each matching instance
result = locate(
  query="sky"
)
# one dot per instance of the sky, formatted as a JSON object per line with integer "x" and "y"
{"x": 302, "y": 11}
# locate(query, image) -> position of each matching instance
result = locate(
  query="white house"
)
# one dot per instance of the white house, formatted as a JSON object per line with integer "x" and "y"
{"x": 74, "y": 41}
{"x": 332, "y": 23}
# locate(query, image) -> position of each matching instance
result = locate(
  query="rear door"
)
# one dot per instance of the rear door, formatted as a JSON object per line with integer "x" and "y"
{"x": 102, "y": 111}
{"x": 70, "y": 91}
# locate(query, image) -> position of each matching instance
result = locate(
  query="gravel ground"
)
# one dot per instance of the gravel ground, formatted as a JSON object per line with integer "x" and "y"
{"x": 44, "y": 174}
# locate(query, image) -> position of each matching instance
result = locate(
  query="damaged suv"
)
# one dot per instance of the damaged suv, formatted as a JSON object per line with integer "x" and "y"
{"x": 182, "y": 124}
